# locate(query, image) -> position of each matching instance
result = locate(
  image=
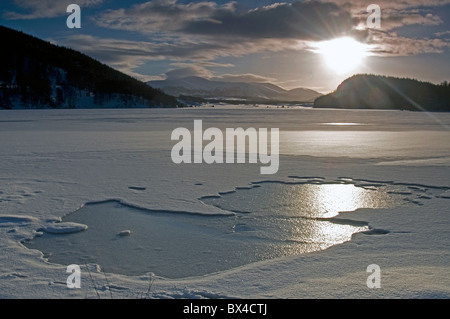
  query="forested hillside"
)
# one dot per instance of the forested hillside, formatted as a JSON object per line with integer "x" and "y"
{"x": 37, "y": 74}
{"x": 381, "y": 92}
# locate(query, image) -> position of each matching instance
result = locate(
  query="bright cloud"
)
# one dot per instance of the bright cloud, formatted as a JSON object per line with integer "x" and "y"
{"x": 35, "y": 9}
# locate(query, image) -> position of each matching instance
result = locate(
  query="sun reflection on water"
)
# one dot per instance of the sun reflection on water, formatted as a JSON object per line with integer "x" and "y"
{"x": 305, "y": 200}
{"x": 330, "y": 199}
{"x": 270, "y": 220}
{"x": 309, "y": 210}
{"x": 302, "y": 216}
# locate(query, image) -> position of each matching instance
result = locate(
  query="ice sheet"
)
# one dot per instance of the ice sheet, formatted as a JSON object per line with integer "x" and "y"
{"x": 53, "y": 162}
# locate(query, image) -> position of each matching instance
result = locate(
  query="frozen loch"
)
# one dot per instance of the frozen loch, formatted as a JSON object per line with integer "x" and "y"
{"x": 266, "y": 220}
{"x": 98, "y": 188}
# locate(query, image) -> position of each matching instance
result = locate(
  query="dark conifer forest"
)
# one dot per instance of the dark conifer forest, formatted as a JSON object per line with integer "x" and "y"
{"x": 37, "y": 74}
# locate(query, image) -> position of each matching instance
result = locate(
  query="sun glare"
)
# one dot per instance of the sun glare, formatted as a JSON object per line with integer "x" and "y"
{"x": 342, "y": 55}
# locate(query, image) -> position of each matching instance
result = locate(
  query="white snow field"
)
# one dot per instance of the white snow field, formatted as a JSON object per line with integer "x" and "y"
{"x": 54, "y": 162}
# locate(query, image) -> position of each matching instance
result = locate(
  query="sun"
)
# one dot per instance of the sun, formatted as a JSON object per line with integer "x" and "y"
{"x": 342, "y": 55}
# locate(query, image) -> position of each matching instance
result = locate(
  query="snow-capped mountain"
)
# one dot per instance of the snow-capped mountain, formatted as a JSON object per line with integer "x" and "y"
{"x": 209, "y": 89}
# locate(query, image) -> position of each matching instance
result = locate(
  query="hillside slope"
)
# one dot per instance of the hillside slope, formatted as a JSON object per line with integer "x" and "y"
{"x": 37, "y": 74}
{"x": 245, "y": 91}
{"x": 381, "y": 92}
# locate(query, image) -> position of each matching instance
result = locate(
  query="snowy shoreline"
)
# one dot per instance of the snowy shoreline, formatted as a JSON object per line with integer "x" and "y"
{"x": 53, "y": 162}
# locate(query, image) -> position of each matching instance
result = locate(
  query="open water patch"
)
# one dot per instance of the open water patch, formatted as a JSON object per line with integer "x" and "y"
{"x": 266, "y": 220}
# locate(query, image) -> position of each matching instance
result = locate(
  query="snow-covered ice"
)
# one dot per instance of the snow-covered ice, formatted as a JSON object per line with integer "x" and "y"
{"x": 268, "y": 220}
{"x": 54, "y": 162}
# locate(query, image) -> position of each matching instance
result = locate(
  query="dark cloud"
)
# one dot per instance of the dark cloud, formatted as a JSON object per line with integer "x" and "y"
{"x": 299, "y": 20}
{"x": 304, "y": 21}
{"x": 391, "y": 44}
{"x": 205, "y": 31}
{"x": 248, "y": 77}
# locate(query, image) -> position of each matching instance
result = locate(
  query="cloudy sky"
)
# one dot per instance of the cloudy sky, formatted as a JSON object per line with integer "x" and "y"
{"x": 252, "y": 40}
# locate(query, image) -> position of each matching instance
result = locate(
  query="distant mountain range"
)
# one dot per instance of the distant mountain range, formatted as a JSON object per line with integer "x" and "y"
{"x": 241, "y": 91}
{"x": 37, "y": 74}
{"x": 381, "y": 92}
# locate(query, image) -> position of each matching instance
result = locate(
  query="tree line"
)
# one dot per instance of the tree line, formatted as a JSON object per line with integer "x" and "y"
{"x": 366, "y": 91}
{"x": 38, "y": 74}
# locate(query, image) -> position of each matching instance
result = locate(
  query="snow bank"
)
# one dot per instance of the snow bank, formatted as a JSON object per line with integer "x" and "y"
{"x": 124, "y": 233}
{"x": 64, "y": 228}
